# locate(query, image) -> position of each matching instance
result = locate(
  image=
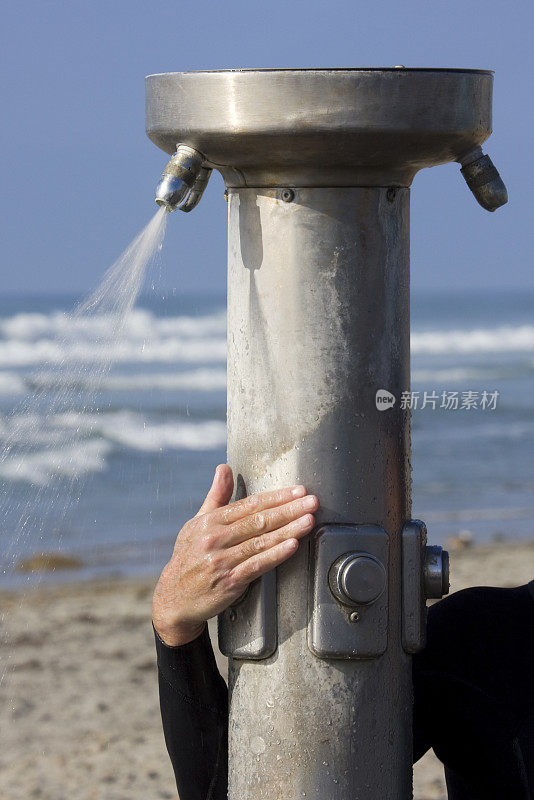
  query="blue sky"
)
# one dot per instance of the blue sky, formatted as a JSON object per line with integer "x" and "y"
{"x": 79, "y": 173}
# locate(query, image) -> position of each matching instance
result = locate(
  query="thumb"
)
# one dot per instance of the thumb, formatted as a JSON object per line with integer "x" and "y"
{"x": 220, "y": 491}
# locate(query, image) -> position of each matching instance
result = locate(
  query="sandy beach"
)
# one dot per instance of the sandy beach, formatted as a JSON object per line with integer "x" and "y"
{"x": 79, "y": 708}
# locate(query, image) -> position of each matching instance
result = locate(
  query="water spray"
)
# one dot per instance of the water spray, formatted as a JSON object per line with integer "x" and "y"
{"x": 318, "y": 166}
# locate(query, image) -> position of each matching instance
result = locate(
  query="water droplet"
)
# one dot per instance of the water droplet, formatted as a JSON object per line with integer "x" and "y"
{"x": 257, "y": 745}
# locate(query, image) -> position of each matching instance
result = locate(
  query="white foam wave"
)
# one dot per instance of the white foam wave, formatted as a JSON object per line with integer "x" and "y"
{"x": 75, "y": 443}
{"x": 29, "y": 430}
{"x": 169, "y": 436}
{"x": 28, "y": 339}
{"x": 44, "y": 466}
{"x": 134, "y": 431}
{"x": 32, "y": 338}
{"x": 458, "y": 374}
{"x": 17, "y": 353}
{"x": 11, "y": 384}
{"x": 55, "y": 338}
{"x": 198, "y": 380}
{"x": 505, "y": 339}
{"x": 139, "y": 325}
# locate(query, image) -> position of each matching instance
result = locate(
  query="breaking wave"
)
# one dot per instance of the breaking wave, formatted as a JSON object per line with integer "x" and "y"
{"x": 505, "y": 339}
{"x": 48, "y": 451}
{"x": 28, "y": 339}
{"x": 57, "y": 338}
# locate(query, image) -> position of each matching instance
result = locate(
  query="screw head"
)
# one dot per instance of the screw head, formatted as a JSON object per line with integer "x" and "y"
{"x": 354, "y": 617}
{"x": 288, "y": 195}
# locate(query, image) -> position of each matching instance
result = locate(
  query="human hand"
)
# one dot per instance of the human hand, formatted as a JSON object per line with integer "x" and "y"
{"x": 222, "y": 549}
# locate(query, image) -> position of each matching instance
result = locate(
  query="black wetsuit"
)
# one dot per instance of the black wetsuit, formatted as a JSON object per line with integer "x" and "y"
{"x": 473, "y": 700}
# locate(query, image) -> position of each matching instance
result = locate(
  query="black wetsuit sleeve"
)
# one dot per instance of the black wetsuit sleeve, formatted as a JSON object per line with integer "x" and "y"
{"x": 474, "y": 702}
{"x": 194, "y": 711}
{"x": 473, "y": 692}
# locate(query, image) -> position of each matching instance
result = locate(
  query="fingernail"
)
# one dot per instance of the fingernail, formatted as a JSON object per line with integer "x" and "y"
{"x": 291, "y": 544}
{"x": 298, "y": 491}
{"x": 309, "y": 502}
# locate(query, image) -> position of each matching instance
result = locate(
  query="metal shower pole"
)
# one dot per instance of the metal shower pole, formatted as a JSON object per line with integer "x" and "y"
{"x": 318, "y": 165}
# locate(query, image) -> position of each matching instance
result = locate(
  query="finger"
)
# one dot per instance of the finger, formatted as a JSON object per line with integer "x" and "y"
{"x": 296, "y": 529}
{"x": 262, "y": 522}
{"x": 261, "y": 563}
{"x": 258, "y": 502}
{"x": 220, "y": 491}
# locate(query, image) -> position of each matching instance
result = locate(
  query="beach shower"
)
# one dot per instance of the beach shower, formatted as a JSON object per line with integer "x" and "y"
{"x": 318, "y": 166}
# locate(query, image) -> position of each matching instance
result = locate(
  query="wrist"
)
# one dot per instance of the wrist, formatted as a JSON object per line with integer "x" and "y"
{"x": 179, "y": 634}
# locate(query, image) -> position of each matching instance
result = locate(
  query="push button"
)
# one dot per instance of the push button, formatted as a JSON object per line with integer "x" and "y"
{"x": 357, "y": 579}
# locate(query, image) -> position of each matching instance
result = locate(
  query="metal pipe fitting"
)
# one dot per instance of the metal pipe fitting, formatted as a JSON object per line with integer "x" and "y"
{"x": 436, "y": 572}
{"x": 483, "y": 179}
{"x": 197, "y": 190}
{"x": 179, "y": 179}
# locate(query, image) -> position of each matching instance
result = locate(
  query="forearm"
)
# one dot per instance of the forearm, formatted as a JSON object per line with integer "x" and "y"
{"x": 216, "y": 555}
{"x": 194, "y": 711}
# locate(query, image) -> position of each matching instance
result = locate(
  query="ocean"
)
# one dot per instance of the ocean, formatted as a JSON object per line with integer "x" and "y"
{"x": 111, "y": 481}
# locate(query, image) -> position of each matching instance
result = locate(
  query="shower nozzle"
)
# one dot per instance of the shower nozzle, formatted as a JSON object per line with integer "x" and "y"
{"x": 483, "y": 179}
{"x": 183, "y": 180}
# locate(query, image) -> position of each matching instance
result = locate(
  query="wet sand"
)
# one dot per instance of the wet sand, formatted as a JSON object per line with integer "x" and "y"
{"x": 79, "y": 709}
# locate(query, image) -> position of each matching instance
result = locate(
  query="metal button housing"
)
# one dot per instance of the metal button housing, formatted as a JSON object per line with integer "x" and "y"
{"x": 348, "y": 572}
